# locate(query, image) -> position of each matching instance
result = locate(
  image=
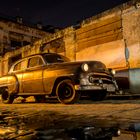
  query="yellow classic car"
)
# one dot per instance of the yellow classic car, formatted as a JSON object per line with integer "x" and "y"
{"x": 53, "y": 75}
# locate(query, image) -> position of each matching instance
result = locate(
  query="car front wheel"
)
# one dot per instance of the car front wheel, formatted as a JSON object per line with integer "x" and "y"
{"x": 66, "y": 93}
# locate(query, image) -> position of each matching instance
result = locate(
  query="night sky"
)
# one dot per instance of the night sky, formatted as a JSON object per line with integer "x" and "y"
{"x": 59, "y": 13}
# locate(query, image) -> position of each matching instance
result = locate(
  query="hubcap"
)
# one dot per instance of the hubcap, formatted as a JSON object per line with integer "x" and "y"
{"x": 65, "y": 91}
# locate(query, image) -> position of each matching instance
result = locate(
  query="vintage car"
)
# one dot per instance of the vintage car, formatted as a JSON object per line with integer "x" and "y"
{"x": 53, "y": 75}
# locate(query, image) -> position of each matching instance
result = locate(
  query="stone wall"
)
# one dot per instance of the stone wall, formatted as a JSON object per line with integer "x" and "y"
{"x": 131, "y": 32}
{"x": 105, "y": 37}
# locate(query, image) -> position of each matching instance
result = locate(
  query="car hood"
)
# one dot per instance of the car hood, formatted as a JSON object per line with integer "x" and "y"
{"x": 93, "y": 65}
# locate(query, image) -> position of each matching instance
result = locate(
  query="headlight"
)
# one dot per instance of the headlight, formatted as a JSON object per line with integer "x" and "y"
{"x": 85, "y": 67}
{"x": 113, "y": 72}
{"x": 118, "y": 132}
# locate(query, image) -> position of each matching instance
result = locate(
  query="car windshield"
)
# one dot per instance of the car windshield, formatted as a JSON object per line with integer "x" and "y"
{"x": 55, "y": 58}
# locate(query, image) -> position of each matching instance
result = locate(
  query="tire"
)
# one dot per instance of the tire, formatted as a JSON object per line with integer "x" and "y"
{"x": 98, "y": 95}
{"x": 40, "y": 98}
{"x": 66, "y": 93}
{"x": 6, "y": 97}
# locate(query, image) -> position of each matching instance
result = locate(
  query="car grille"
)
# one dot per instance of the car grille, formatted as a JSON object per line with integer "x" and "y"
{"x": 100, "y": 78}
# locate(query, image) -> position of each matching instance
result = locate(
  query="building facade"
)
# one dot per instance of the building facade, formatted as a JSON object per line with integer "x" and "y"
{"x": 15, "y": 34}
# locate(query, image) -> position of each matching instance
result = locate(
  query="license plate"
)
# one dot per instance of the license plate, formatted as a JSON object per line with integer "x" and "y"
{"x": 110, "y": 88}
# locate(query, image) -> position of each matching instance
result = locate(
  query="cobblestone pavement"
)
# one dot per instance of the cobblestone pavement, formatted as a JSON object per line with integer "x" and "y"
{"x": 33, "y": 116}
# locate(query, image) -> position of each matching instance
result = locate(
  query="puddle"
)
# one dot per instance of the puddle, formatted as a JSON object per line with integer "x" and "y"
{"x": 79, "y": 133}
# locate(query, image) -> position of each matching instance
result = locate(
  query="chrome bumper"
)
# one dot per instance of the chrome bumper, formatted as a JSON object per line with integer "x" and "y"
{"x": 107, "y": 87}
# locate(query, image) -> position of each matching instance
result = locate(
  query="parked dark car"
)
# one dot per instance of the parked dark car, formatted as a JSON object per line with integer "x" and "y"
{"x": 54, "y": 75}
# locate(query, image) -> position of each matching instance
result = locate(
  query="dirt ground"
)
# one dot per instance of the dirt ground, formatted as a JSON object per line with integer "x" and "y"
{"x": 118, "y": 113}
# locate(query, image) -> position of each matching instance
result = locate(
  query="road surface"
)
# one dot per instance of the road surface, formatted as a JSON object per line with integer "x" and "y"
{"x": 115, "y": 111}
{"x": 52, "y": 114}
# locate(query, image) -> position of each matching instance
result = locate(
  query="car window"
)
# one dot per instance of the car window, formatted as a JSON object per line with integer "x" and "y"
{"x": 55, "y": 58}
{"x": 19, "y": 66}
{"x": 35, "y": 61}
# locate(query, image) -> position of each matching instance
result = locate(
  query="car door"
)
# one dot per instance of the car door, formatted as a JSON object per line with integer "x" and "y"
{"x": 18, "y": 70}
{"x": 32, "y": 77}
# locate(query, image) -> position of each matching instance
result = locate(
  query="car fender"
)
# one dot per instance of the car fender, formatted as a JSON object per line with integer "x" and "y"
{"x": 10, "y": 82}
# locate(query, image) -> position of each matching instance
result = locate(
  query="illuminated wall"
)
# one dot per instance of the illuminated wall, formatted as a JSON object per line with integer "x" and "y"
{"x": 102, "y": 40}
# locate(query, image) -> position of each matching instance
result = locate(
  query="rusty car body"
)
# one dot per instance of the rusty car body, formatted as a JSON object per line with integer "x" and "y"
{"x": 54, "y": 75}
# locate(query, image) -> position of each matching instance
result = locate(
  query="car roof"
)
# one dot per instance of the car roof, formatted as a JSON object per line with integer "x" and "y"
{"x": 38, "y": 54}
{"x": 22, "y": 59}
{"x": 32, "y": 56}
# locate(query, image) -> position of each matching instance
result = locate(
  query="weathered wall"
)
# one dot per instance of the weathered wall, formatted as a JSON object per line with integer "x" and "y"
{"x": 131, "y": 32}
{"x": 103, "y": 30}
{"x": 102, "y": 40}
{"x": 104, "y": 37}
{"x": 112, "y": 54}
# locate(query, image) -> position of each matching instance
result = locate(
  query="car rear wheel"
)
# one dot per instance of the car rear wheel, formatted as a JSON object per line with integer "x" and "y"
{"x": 6, "y": 97}
{"x": 40, "y": 98}
{"x": 66, "y": 93}
{"x": 98, "y": 95}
